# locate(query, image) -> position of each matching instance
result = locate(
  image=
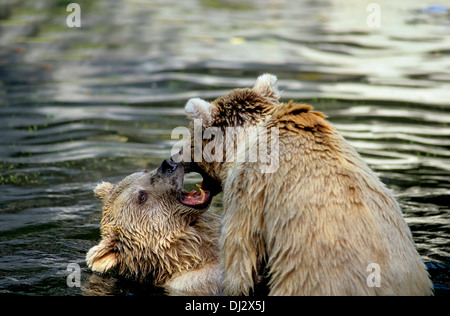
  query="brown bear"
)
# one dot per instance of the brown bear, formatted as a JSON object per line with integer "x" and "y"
{"x": 153, "y": 230}
{"x": 320, "y": 223}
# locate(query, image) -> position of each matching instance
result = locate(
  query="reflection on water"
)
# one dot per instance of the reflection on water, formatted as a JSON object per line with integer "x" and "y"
{"x": 96, "y": 103}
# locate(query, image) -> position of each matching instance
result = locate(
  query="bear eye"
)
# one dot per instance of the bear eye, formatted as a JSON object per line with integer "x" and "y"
{"x": 142, "y": 197}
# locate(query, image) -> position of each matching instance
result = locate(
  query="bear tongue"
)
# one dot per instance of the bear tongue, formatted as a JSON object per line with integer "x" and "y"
{"x": 194, "y": 198}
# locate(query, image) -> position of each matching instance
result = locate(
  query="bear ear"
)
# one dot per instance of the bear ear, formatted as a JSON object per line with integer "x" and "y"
{"x": 102, "y": 257}
{"x": 197, "y": 108}
{"x": 266, "y": 85}
{"x": 103, "y": 191}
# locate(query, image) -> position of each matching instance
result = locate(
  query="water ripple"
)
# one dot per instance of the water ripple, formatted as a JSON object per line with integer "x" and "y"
{"x": 78, "y": 106}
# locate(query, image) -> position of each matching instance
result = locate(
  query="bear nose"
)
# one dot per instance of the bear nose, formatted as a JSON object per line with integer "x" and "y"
{"x": 169, "y": 166}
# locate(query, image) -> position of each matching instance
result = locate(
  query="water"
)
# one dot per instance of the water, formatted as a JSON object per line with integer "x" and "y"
{"x": 81, "y": 105}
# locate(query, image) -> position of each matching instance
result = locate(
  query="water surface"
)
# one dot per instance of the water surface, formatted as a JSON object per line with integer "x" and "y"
{"x": 81, "y": 105}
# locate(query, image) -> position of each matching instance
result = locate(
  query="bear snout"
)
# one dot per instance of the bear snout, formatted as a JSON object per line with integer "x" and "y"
{"x": 168, "y": 166}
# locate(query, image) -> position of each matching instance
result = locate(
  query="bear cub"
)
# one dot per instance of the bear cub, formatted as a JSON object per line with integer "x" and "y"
{"x": 154, "y": 231}
{"x": 317, "y": 221}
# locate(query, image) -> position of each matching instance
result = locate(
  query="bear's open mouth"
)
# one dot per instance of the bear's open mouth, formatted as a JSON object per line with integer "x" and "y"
{"x": 202, "y": 197}
{"x": 194, "y": 198}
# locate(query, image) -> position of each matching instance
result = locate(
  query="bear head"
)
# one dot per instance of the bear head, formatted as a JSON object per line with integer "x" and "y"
{"x": 151, "y": 228}
{"x": 238, "y": 110}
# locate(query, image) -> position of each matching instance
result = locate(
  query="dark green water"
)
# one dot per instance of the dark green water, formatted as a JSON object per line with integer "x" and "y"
{"x": 81, "y": 105}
